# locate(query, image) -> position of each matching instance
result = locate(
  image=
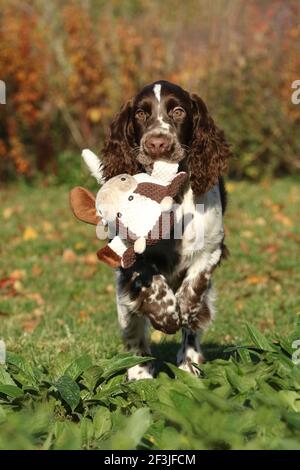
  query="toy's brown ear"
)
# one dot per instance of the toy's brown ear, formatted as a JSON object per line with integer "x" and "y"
{"x": 82, "y": 203}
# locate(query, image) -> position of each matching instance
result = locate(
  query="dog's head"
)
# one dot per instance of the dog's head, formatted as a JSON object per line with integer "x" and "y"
{"x": 165, "y": 122}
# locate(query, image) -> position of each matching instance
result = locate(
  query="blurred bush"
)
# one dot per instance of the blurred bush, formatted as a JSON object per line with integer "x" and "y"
{"x": 68, "y": 66}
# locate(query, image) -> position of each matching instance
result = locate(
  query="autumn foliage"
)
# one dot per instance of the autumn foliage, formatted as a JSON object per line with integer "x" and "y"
{"x": 68, "y": 66}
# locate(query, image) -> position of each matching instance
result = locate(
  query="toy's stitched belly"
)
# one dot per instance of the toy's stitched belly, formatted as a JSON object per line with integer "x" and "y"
{"x": 140, "y": 215}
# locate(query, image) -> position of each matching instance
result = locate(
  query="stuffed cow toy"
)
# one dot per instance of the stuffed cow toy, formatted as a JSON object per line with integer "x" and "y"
{"x": 132, "y": 208}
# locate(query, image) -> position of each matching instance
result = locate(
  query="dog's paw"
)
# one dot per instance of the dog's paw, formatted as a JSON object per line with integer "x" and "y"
{"x": 186, "y": 359}
{"x": 140, "y": 371}
{"x": 187, "y": 366}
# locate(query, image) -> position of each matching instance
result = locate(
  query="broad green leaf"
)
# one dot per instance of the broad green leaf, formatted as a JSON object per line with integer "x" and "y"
{"x": 87, "y": 432}
{"x": 11, "y": 391}
{"x": 5, "y": 377}
{"x": 259, "y": 339}
{"x": 217, "y": 401}
{"x": 144, "y": 388}
{"x": 189, "y": 379}
{"x": 67, "y": 436}
{"x": 293, "y": 419}
{"x": 244, "y": 355}
{"x": 290, "y": 399}
{"x": 75, "y": 369}
{"x": 101, "y": 422}
{"x": 2, "y": 415}
{"x": 108, "y": 390}
{"x": 170, "y": 413}
{"x": 68, "y": 390}
{"x": 91, "y": 377}
{"x": 123, "y": 362}
{"x": 134, "y": 429}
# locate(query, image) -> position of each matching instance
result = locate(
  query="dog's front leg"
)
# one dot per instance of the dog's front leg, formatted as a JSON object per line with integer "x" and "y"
{"x": 143, "y": 295}
{"x": 195, "y": 298}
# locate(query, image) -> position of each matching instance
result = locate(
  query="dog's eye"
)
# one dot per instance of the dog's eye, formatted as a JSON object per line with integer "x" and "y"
{"x": 119, "y": 215}
{"x": 177, "y": 113}
{"x": 141, "y": 115}
{"x": 130, "y": 198}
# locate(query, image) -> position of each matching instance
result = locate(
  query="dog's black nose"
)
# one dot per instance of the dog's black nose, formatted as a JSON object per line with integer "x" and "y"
{"x": 158, "y": 145}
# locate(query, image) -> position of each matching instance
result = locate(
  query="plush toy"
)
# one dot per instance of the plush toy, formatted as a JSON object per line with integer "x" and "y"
{"x": 131, "y": 206}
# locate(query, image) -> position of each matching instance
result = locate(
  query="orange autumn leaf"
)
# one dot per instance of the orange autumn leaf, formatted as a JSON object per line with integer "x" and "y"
{"x": 18, "y": 274}
{"x": 283, "y": 219}
{"x": 257, "y": 279}
{"x": 90, "y": 259}
{"x": 29, "y": 234}
{"x": 69, "y": 256}
{"x": 30, "y": 324}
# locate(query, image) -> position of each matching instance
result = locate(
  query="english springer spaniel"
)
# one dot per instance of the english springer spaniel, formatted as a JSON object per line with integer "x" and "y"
{"x": 174, "y": 276}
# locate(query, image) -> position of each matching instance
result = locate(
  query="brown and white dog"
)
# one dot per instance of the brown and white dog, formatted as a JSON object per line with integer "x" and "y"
{"x": 165, "y": 122}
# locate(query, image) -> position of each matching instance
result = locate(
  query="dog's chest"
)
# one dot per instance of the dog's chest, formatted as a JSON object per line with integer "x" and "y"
{"x": 202, "y": 231}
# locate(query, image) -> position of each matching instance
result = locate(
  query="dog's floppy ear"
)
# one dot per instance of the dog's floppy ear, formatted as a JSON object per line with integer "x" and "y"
{"x": 117, "y": 155}
{"x": 82, "y": 203}
{"x": 209, "y": 150}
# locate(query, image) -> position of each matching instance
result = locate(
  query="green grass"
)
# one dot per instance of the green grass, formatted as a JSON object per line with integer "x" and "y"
{"x": 64, "y": 383}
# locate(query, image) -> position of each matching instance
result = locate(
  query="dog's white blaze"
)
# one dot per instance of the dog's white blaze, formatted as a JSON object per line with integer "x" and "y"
{"x": 163, "y": 124}
{"x": 156, "y": 91}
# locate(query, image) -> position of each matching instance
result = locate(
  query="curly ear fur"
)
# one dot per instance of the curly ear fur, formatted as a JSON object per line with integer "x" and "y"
{"x": 209, "y": 150}
{"x": 118, "y": 155}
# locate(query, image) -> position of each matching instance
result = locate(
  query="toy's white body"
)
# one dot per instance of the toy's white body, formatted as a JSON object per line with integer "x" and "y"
{"x": 117, "y": 199}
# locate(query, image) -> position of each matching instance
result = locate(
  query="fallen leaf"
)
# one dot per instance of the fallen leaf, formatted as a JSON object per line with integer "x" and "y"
{"x": 36, "y": 297}
{"x": 247, "y": 234}
{"x": 83, "y": 316}
{"x": 29, "y": 234}
{"x": 7, "y": 213}
{"x": 283, "y": 219}
{"x": 89, "y": 272}
{"x": 80, "y": 246}
{"x": 272, "y": 248}
{"x": 18, "y": 286}
{"x": 18, "y": 274}
{"x": 278, "y": 288}
{"x": 30, "y": 324}
{"x": 260, "y": 221}
{"x": 8, "y": 285}
{"x": 69, "y": 256}
{"x": 38, "y": 312}
{"x": 240, "y": 306}
{"x": 47, "y": 226}
{"x": 256, "y": 279}
{"x": 90, "y": 259}
{"x": 110, "y": 288}
{"x": 228, "y": 338}
{"x": 276, "y": 207}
